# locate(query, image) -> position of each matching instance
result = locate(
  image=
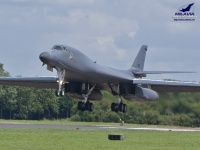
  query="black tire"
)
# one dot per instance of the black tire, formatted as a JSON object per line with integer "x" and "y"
{"x": 57, "y": 93}
{"x": 62, "y": 93}
{"x": 116, "y": 109}
{"x": 121, "y": 107}
{"x": 83, "y": 107}
{"x": 87, "y": 106}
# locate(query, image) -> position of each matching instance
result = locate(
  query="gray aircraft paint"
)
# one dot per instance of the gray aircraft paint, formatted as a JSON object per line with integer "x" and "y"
{"x": 80, "y": 68}
{"x": 140, "y": 58}
{"x": 83, "y": 69}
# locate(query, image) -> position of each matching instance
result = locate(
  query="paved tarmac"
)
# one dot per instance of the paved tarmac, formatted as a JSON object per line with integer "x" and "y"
{"x": 85, "y": 127}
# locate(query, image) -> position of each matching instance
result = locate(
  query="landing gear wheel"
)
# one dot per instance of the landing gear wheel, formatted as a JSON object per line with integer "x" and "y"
{"x": 57, "y": 93}
{"x": 89, "y": 106}
{"x": 85, "y": 106}
{"x": 121, "y": 107}
{"x": 62, "y": 93}
{"x": 116, "y": 109}
{"x": 115, "y": 89}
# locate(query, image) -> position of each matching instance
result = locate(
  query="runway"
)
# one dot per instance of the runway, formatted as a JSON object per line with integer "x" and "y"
{"x": 97, "y": 127}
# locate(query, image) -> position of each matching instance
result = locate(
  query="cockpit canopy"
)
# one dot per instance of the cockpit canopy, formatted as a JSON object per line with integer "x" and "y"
{"x": 59, "y": 47}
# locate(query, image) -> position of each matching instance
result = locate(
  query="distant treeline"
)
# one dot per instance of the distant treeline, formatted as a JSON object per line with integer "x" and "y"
{"x": 181, "y": 109}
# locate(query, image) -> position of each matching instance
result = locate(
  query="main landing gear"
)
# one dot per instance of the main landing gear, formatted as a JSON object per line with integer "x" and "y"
{"x": 86, "y": 105}
{"x": 117, "y": 106}
{"x": 61, "y": 77}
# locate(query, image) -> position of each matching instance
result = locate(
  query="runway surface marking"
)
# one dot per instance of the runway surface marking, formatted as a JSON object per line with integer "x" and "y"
{"x": 98, "y": 127}
{"x": 156, "y": 129}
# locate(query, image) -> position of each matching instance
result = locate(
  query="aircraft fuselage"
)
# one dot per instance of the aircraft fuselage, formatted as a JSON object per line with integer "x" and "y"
{"x": 81, "y": 68}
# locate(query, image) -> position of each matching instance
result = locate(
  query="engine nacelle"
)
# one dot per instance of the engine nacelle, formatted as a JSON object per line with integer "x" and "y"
{"x": 133, "y": 92}
{"x": 146, "y": 93}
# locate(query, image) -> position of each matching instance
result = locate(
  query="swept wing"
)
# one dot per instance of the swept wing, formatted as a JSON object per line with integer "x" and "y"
{"x": 81, "y": 77}
{"x": 38, "y": 82}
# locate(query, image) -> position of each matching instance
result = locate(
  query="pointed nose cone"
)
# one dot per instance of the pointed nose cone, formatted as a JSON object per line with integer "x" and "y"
{"x": 45, "y": 57}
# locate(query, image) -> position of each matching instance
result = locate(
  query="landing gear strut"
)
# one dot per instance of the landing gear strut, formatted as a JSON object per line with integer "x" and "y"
{"x": 61, "y": 77}
{"x": 118, "y": 106}
{"x": 86, "y": 105}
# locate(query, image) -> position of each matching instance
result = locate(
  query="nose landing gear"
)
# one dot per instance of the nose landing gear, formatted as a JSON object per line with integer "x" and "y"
{"x": 61, "y": 78}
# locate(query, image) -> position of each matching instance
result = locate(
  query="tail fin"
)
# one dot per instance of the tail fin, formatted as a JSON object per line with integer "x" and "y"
{"x": 140, "y": 58}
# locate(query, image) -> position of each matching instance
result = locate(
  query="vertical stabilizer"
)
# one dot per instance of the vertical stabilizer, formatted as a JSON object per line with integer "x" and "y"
{"x": 140, "y": 58}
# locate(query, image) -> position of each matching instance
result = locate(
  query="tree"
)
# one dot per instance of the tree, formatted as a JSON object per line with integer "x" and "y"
{"x": 7, "y": 96}
{"x": 65, "y": 106}
{"x": 49, "y": 103}
{"x": 3, "y": 73}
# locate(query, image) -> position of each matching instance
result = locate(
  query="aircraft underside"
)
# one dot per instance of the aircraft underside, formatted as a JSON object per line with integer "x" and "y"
{"x": 69, "y": 82}
{"x": 83, "y": 78}
{"x": 92, "y": 92}
{"x": 83, "y": 86}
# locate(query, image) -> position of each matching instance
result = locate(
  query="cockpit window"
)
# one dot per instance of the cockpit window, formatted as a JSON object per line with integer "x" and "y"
{"x": 59, "y": 47}
{"x": 64, "y": 48}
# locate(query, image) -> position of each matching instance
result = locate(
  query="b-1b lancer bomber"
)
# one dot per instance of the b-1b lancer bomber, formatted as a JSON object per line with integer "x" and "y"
{"x": 80, "y": 77}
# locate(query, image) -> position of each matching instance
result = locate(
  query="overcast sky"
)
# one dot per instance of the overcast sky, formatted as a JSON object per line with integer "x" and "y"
{"x": 108, "y": 31}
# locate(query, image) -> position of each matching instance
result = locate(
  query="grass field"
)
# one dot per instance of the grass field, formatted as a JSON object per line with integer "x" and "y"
{"x": 34, "y": 139}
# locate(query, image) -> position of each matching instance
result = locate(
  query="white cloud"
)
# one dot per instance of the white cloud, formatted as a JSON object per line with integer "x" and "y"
{"x": 110, "y": 32}
{"x": 180, "y": 27}
{"x": 68, "y": 2}
{"x": 99, "y": 23}
{"x": 19, "y": 1}
{"x": 105, "y": 42}
{"x": 110, "y": 51}
{"x": 76, "y": 2}
{"x": 131, "y": 34}
{"x": 94, "y": 31}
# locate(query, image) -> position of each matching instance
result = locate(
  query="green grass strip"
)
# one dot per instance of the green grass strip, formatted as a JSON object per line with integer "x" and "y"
{"x": 34, "y": 139}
